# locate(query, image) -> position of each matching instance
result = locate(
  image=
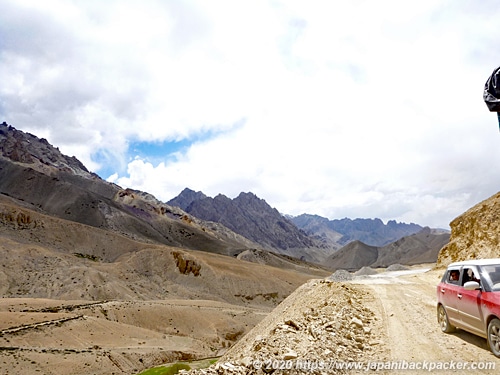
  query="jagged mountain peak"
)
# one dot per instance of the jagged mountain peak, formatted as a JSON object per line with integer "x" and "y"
{"x": 252, "y": 217}
{"x": 252, "y": 201}
{"x": 221, "y": 196}
{"x": 248, "y": 196}
{"x": 186, "y": 197}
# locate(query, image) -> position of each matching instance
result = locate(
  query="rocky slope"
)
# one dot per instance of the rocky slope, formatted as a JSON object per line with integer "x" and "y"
{"x": 421, "y": 247}
{"x": 28, "y": 149}
{"x": 475, "y": 234}
{"x": 185, "y": 198}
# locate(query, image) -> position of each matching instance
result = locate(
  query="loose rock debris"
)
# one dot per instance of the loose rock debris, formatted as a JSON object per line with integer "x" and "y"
{"x": 320, "y": 328}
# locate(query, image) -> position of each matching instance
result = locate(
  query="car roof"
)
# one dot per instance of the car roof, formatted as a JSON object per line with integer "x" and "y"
{"x": 475, "y": 262}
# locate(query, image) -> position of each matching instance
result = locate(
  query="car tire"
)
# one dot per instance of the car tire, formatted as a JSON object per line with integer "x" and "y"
{"x": 443, "y": 321}
{"x": 494, "y": 336}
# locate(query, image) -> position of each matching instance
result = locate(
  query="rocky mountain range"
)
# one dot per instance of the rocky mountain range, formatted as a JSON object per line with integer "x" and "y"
{"x": 372, "y": 232}
{"x": 61, "y": 186}
{"x": 309, "y": 237}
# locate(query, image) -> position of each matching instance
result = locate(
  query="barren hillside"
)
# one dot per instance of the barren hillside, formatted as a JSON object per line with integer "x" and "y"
{"x": 474, "y": 234}
{"x": 63, "y": 311}
{"x": 421, "y": 247}
{"x": 78, "y": 299}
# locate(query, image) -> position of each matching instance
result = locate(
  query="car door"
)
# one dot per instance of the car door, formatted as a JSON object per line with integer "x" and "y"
{"x": 469, "y": 304}
{"x": 448, "y": 290}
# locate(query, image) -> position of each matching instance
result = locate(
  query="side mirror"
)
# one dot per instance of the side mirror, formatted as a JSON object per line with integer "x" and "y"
{"x": 472, "y": 285}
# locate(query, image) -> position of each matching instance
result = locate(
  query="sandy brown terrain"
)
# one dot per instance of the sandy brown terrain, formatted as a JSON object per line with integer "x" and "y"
{"x": 125, "y": 336}
{"x": 388, "y": 319}
{"x": 81, "y": 300}
{"x": 78, "y": 337}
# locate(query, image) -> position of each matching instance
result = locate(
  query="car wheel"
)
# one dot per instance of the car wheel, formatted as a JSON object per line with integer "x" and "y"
{"x": 494, "y": 336}
{"x": 444, "y": 323}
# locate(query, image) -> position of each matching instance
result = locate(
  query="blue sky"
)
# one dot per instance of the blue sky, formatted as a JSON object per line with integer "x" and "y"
{"x": 338, "y": 108}
{"x": 151, "y": 152}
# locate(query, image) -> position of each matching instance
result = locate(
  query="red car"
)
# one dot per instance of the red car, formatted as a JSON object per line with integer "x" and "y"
{"x": 469, "y": 298}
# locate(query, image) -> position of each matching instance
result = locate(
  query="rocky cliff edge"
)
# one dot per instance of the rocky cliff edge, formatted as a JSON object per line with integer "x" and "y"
{"x": 475, "y": 234}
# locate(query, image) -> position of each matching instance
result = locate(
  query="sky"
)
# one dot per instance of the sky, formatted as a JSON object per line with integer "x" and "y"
{"x": 339, "y": 108}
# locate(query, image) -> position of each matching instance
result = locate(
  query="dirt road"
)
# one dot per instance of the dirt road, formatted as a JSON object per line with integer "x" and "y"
{"x": 407, "y": 305}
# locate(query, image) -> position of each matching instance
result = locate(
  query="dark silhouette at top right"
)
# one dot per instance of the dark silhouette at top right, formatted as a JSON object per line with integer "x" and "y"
{"x": 491, "y": 93}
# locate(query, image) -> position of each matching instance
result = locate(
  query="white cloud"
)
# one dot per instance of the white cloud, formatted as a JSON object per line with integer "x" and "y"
{"x": 345, "y": 108}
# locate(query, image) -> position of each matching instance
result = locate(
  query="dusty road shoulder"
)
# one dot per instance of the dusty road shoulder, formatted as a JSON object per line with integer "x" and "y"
{"x": 407, "y": 306}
